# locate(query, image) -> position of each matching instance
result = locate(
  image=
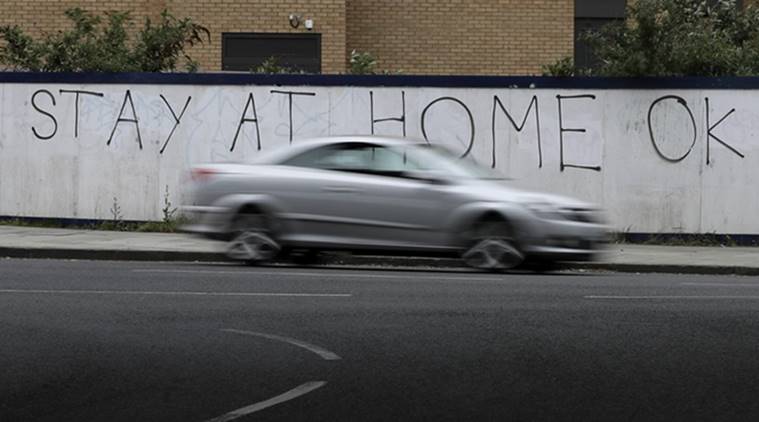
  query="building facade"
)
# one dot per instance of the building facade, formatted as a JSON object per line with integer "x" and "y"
{"x": 473, "y": 37}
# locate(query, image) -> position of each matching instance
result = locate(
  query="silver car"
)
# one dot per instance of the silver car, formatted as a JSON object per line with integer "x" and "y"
{"x": 385, "y": 195}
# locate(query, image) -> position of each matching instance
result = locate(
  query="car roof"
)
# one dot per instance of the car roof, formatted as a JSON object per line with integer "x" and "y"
{"x": 373, "y": 139}
{"x": 300, "y": 146}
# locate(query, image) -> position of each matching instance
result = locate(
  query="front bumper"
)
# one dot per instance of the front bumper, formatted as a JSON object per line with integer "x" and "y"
{"x": 567, "y": 241}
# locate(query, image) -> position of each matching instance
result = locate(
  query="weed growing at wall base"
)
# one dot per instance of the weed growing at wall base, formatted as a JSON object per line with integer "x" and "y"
{"x": 170, "y": 223}
{"x": 171, "y": 226}
{"x": 686, "y": 239}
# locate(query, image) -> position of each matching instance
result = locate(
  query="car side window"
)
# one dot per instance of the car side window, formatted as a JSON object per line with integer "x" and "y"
{"x": 387, "y": 160}
{"x": 347, "y": 159}
{"x": 355, "y": 157}
{"x": 331, "y": 157}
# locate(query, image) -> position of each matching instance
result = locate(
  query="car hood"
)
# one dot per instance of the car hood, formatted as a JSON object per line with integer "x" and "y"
{"x": 487, "y": 190}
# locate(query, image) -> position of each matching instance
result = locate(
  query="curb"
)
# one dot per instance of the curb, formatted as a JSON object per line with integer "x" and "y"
{"x": 109, "y": 254}
{"x": 358, "y": 261}
{"x": 153, "y": 255}
{"x": 665, "y": 268}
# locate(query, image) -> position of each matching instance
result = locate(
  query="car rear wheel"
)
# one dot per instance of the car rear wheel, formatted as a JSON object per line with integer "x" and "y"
{"x": 491, "y": 246}
{"x": 304, "y": 257}
{"x": 252, "y": 240}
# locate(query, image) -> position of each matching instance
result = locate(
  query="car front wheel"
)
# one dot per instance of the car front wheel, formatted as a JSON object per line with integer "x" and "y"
{"x": 491, "y": 246}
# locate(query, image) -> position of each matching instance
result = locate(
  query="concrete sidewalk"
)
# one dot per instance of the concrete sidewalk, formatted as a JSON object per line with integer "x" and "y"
{"x": 28, "y": 242}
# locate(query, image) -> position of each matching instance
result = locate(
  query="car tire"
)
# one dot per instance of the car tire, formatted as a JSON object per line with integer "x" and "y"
{"x": 491, "y": 246}
{"x": 542, "y": 266}
{"x": 251, "y": 238}
{"x": 305, "y": 257}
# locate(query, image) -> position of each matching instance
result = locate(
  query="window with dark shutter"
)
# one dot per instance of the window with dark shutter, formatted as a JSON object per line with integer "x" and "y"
{"x": 246, "y": 51}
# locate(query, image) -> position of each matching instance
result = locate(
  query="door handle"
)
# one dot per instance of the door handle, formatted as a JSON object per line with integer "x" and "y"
{"x": 339, "y": 189}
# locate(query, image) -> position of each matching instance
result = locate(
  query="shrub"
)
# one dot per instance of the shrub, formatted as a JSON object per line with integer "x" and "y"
{"x": 563, "y": 68}
{"x": 271, "y": 66}
{"x": 362, "y": 63}
{"x": 677, "y": 38}
{"x": 97, "y": 45}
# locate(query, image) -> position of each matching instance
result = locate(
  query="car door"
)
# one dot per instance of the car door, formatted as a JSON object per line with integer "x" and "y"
{"x": 309, "y": 185}
{"x": 357, "y": 194}
{"x": 398, "y": 211}
{"x": 375, "y": 203}
{"x": 412, "y": 209}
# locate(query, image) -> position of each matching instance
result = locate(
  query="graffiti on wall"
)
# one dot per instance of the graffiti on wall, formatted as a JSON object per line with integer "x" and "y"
{"x": 44, "y": 102}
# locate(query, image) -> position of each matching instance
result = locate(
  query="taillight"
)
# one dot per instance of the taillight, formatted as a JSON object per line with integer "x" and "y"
{"x": 201, "y": 174}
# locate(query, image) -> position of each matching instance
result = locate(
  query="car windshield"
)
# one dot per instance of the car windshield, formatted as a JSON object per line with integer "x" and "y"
{"x": 440, "y": 160}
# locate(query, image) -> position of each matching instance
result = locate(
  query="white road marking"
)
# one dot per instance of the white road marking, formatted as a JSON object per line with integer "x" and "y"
{"x": 289, "y": 395}
{"x": 170, "y": 293}
{"x": 720, "y": 284}
{"x": 672, "y": 297}
{"x": 324, "y": 274}
{"x": 322, "y": 352}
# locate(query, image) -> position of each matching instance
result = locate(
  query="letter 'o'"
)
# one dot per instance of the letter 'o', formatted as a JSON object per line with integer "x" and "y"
{"x": 682, "y": 102}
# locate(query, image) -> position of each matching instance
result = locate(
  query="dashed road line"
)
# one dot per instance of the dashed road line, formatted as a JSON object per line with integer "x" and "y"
{"x": 289, "y": 395}
{"x": 322, "y": 352}
{"x": 171, "y": 293}
{"x": 596, "y": 297}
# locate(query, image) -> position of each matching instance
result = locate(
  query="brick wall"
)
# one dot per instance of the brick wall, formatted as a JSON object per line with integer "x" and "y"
{"x": 46, "y": 16}
{"x": 266, "y": 16}
{"x": 505, "y": 37}
{"x": 415, "y": 36}
{"x": 218, "y": 16}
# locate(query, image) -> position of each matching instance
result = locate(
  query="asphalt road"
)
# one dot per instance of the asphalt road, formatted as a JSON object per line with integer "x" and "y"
{"x": 119, "y": 341}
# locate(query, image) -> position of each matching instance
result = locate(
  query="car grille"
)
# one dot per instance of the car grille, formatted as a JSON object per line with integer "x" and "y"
{"x": 575, "y": 243}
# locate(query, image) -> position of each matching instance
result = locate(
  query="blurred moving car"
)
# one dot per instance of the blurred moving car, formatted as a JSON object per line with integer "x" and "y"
{"x": 386, "y": 195}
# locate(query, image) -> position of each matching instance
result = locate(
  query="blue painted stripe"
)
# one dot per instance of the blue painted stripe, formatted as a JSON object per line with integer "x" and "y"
{"x": 500, "y": 82}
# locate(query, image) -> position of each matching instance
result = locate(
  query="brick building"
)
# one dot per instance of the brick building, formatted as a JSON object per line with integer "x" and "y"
{"x": 487, "y": 37}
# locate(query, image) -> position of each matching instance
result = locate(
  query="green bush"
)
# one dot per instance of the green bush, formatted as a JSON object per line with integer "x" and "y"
{"x": 94, "y": 44}
{"x": 677, "y": 38}
{"x": 271, "y": 66}
{"x": 362, "y": 63}
{"x": 562, "y": 68}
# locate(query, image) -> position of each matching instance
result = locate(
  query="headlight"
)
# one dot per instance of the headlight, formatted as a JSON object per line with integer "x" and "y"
{"x": 545, "y": 210}
{"x": 582, "y": 215}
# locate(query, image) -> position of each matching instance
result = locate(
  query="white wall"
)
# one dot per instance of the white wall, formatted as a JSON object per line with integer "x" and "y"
{"x": 79, "y": 176}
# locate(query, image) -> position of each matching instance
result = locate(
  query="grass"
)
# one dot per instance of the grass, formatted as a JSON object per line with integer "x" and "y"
{"x": 166, "y": 226}
{"x": 685, "y": 239}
